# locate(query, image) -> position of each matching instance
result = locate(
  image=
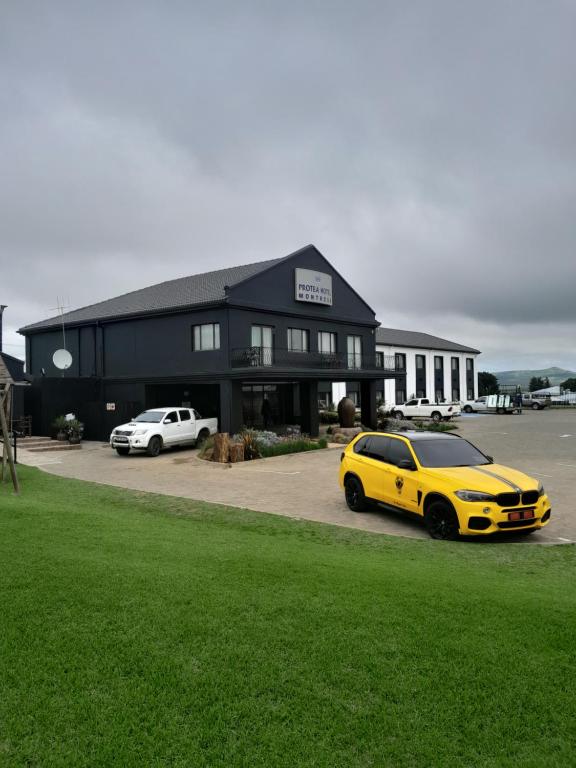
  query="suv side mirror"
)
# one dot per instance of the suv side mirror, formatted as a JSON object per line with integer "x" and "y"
{"x": 407, "y": 464}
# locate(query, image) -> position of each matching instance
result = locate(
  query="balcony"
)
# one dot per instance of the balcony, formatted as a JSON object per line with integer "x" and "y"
{"x": 268, "y": 357}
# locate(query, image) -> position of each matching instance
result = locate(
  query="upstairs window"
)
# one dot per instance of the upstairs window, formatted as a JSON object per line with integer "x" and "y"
{"x": 298, "y": 340}
{"x": 206, "y": 337}
{"x": 326, "y": 343}
{"x": 379, "y": 359}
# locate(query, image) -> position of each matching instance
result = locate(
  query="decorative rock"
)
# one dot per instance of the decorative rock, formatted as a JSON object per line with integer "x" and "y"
{"x": 221, "y": 447}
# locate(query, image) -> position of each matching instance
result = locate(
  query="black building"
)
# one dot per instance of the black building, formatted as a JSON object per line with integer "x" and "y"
{"x": 221, "y": 341}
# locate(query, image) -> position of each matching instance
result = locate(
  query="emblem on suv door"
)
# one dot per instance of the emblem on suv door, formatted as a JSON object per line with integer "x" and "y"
{"x": 399, "y": 484}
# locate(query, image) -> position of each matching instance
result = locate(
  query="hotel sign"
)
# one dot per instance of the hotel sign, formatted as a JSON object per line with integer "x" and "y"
{"x": 315, "y": 287}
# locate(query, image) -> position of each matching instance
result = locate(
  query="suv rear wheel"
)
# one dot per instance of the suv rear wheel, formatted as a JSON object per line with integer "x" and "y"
{"x": 354, "y": 494}
{"x": 535, "y": 407}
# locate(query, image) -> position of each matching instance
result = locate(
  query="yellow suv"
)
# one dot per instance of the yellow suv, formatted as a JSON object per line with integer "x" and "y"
{"x": 445, "y": 480}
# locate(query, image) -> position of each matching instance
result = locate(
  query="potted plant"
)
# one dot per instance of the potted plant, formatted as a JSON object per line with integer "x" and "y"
{"x": 75, "y": 431}
{"x": 60, "y": 425}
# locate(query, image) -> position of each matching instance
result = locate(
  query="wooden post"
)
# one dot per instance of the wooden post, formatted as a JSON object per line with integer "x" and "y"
{"x": 236, "y": 452}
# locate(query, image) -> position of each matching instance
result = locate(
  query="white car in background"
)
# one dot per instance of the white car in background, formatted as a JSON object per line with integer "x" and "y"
{"x": 475, "y": 406}
{"x": 160, "y": 428}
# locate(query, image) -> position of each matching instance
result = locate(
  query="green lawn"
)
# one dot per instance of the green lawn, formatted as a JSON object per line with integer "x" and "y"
{"x": 139, "y": 630}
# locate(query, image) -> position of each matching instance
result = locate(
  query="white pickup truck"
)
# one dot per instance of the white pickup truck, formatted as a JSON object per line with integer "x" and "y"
{"x": 422, "y": 408}
{"x": 160, "y": 428}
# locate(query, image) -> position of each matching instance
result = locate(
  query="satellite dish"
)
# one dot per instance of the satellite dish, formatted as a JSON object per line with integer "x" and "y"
{"x": 62, "y": 359}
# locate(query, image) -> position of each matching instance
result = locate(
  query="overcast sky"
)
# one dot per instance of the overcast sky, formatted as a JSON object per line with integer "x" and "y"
{"x": 427, "y": 148}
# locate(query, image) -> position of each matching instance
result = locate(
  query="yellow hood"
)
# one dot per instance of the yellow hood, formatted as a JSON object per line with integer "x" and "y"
{"x": 489, "y": 478}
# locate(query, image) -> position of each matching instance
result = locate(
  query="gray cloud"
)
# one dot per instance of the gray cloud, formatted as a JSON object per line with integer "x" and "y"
{"x": 427, "y": 148}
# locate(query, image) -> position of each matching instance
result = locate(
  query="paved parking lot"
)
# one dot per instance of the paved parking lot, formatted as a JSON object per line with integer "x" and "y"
{"x": 543, "y": 444}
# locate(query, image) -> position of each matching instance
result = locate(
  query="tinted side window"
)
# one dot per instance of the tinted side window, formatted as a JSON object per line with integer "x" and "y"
{"x": 412, "y": 402}
{"x": 425, "y": 402}
{"x": 398, "y": 451}
{"x": 377, "y": 448}
{"x": 171, "y": 418}
{"x": 184, "y": 415}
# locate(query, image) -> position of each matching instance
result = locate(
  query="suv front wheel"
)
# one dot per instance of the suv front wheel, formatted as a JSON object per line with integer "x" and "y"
{"x": 154, "y": 446}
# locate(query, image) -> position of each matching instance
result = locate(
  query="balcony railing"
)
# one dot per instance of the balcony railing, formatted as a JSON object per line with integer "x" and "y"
{"x": 263, "y": 357}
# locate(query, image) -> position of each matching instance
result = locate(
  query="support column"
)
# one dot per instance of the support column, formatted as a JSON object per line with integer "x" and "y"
{"x": 368, "y": 413}
{"x": 309, "y": 408}
{"x": 230, "y": 406}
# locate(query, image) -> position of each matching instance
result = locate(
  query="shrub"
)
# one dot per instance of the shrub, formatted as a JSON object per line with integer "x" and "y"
{"x": 293, "y": 446}
{"x": 206, "y": 448}
{"x": 437, "y": 426}
{"x": 329, "y": 417}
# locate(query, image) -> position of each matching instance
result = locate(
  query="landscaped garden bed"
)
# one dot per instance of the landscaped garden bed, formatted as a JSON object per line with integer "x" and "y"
{"x": 250, "y": 444}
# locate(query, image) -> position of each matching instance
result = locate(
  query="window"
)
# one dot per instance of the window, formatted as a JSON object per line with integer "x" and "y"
{"x": 455, "y": 394}
{"x": 171, "y": 418}
{"x": 184, "y": 415}
{"x": 400, "y": 396}
{"x": 379, "y": 359}
{"x": 469, "y": 364}
{"x": 420, "y": 362}
{"x": 354, "y": 347}
{"x": 398, "y": 451}
{"x": 425, "y": 401}
{"x": 377, "y": 448}
{"x": 412, "y": 402}
{"x": 206, "y": 337}
{"x": 438, "y": 363}
{"x": 400, "y": 361}
{"x": 470, "y": 394}
{"x": 326, "y": 343}
{"x": 455, "y": 364}
{"x": 298, "y": 340}
{"x": 449, "y": 452}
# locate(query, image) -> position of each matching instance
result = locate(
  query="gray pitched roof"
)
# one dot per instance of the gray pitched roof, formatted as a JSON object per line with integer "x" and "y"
{"x": 181, "y": 293}
{"x": 396, "y": 338}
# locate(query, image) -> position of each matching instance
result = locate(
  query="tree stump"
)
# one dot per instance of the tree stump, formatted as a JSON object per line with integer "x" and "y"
{"x": 221, "y": 447}
{"x": 236, "y": 452}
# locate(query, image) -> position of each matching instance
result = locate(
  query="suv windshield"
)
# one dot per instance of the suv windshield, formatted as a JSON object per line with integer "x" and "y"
{"x": 448, "y": 453}
{"x": 151, "y": 416}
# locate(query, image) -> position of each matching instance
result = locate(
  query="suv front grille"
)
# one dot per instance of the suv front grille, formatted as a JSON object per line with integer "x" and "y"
{"x": 529, "y": 497}
{"x": 508, "y": 499}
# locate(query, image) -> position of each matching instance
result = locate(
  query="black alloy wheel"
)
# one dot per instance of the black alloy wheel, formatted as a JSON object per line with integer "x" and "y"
{"x": 123, "y": 451}
{"x": 354, "y": 494}
{"x": 154, "y": 446}
{"x": 467, "y": 409}
{"x": 441, "y": 521}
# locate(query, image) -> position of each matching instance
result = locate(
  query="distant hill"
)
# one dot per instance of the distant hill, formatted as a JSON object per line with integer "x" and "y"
{"x": 522, "y": 378}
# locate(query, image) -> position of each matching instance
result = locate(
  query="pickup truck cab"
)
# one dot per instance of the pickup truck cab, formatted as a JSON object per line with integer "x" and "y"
{"x": 160, "y": 428}
{"x": 422, "y": 408}
{"x": 475, "y": 406}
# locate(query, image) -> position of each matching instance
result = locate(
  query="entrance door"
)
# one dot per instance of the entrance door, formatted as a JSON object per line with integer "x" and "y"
{"x": 262, "y": 341}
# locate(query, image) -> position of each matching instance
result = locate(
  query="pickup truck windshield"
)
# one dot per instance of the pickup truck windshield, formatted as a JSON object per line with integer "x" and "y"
{"x": 154, "y": 417}
{"x": 448, "y": 453}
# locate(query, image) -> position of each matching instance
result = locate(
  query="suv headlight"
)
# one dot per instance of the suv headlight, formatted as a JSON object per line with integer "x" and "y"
{"x": 541, "y": 490}
{"x": 474, "y": 496}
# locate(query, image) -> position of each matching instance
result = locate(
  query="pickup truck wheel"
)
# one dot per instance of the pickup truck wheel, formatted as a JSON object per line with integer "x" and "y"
{"x": 467, "y": 409}
{"x": 441, "y": 521}
{"x": 122, "y": 451}
{"x": 154, "y": 446}
{"x": 397, "y": 415}
{"x": 354, "y": 494}
{"x": 202, "y": 437}
{"x": 535, "y": 407}
{"x": 436, "y": 417}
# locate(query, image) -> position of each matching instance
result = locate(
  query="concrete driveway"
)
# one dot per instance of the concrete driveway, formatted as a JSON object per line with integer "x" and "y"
{"x": 305, "y": 485}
